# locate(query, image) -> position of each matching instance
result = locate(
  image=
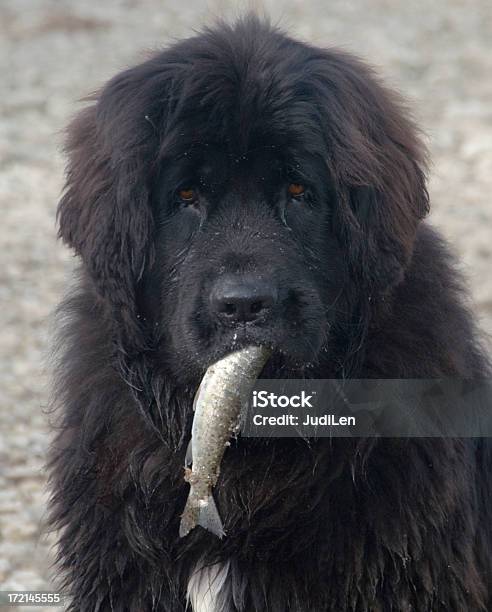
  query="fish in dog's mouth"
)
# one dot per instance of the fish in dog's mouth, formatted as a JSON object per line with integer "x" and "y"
{"x": 284, "y": 359}
{"x": 223, "y": 390}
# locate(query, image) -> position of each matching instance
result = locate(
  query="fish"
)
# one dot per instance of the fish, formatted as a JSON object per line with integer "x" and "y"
{"x": 224, "y": 389}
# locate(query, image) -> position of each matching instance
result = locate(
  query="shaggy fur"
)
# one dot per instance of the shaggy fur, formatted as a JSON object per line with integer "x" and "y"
{"x": 366, "y": 289}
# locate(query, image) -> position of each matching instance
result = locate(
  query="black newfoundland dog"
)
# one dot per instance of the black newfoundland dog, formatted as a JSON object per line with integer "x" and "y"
{"x": 238, "y": 188}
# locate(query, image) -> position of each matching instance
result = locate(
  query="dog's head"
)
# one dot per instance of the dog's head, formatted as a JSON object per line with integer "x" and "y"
{"x": 242, "y": 187}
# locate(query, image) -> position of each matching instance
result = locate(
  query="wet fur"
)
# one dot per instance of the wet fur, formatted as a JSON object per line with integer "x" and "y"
{"x": 354, "y": 525}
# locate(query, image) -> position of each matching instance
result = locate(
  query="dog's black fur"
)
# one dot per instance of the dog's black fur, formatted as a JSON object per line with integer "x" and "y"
{"x": 365, "y": 289}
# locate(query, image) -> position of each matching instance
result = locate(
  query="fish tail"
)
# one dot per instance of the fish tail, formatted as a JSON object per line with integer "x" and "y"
{"x": 201, "y": 512}
{"x": 189, "y": 518}
{"x": 209, "y": 517}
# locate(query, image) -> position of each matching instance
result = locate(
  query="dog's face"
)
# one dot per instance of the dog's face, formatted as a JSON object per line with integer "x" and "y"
{"x": 245, "y": 253}
{"x": 242, "y": 187}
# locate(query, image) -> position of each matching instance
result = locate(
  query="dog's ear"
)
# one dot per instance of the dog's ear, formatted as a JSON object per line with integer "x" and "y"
{"x": 105, "y": 213}
{"x": 379, "y": 164}
{"x": 384, "y": 226}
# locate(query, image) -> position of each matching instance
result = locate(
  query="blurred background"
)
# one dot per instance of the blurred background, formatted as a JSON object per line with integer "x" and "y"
{"x": 53, "y": 52}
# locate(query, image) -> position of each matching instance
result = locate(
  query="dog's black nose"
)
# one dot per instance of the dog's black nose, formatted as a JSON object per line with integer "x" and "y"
{"x": 237, "y": 299}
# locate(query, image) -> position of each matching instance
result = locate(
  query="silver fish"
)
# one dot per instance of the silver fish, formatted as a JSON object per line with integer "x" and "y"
{"x": 223, "y": 390}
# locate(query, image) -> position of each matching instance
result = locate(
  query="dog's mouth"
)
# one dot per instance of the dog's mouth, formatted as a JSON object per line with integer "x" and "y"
{"x": 285, "y": 359}
{"x": 294, "y": 333}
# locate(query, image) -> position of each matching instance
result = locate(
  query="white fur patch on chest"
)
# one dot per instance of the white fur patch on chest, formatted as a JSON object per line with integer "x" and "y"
{"x": 207, "y": 587}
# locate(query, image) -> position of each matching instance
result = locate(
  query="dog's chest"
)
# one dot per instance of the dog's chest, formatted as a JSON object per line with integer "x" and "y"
{"x": 209, "y": 588}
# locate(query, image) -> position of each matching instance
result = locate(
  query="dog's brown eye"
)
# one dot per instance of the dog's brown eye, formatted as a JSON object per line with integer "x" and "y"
{"x": 187, "y": 195}
{"x": 296, "y": 190}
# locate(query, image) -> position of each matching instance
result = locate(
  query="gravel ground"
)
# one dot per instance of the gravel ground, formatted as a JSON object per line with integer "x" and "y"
{"x": 54, "y": 52}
